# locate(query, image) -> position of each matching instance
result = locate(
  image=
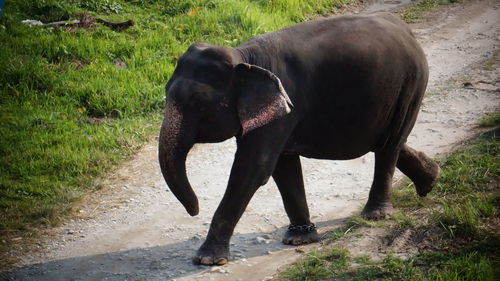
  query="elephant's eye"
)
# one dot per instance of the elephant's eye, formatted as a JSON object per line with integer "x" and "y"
{"x": 212, "y": 75}
{"x": 200, "y": 100}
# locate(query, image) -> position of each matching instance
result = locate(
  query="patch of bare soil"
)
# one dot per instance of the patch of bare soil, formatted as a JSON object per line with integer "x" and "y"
{"x": 134, "y": 229}
{"x": 389, "y": 240}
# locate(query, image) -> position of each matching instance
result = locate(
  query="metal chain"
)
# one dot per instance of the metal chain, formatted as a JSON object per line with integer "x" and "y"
{"x": 306, "y": 228}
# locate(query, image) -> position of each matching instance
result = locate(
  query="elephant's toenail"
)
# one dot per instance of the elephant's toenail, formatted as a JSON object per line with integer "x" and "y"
{"x": 206, "y": 260}
{"x": 221, "y": 261}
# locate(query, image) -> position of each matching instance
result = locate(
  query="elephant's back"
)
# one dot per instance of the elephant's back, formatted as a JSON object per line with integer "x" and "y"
{"x": 342, "y": 31}
{"x": 361, "y": 72}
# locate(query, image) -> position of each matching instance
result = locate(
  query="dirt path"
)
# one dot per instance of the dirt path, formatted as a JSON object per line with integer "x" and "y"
{"x": 134, "y": 230}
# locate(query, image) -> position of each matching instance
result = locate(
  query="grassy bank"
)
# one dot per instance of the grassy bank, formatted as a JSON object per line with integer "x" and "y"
{"x": 454, "y": 232}
{"x": 415, "y": 12}
{"x": 77, "y": 100}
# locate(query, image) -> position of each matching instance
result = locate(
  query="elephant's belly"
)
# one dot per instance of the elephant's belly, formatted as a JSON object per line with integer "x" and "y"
{"x": 334, "y": 149}
{"x": 326, "y": 153}
{"x": 337, "y": 139}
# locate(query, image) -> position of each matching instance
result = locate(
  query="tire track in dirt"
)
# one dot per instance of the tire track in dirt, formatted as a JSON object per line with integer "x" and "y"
{"x": 135, "y": 230}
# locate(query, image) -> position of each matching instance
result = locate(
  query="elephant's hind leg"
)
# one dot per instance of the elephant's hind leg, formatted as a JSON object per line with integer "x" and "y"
{"x": 421, "y": 169}
{"x": 379, "y": 201}
{"x": 288, "y": 177}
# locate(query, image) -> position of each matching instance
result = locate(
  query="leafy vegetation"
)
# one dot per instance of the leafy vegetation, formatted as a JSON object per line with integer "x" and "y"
{"x": 77, "y": 100}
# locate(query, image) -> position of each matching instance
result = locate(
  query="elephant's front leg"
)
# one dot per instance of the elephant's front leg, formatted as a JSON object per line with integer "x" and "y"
{"x": 252, "y": 167}
{"x": 215, "y": 249}
{"x": 288, "y": 177}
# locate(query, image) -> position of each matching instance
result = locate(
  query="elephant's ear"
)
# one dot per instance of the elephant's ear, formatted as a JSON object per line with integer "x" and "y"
{"x": 261, "y": 97}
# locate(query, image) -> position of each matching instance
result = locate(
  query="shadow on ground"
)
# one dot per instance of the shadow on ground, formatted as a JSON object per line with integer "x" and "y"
{"x": 165, "y": 262}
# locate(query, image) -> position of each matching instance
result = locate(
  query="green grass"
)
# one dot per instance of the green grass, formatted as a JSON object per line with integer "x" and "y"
{"x": 405, "y": 197}
{"x": 415, "y": 12}
{"x": 467, "y": 191}
{"x": 492, "y": 120}
{"x": 68, "y": 114}
{"x": 430, "y": 266}
{"x": 465, "y": 205}
{"x": 336, "y": 264}
{"x": 319, "y": 265}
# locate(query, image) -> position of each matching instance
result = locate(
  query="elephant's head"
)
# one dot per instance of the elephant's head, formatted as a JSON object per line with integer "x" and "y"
{"x": 212, "y": 96}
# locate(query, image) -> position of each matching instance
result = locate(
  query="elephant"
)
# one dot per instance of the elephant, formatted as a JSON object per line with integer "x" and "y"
{"x": 333, "y": 88}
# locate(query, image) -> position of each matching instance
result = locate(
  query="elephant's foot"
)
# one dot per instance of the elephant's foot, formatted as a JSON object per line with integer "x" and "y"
{"x": 377, "y": 211}
{"x": 301, "y": 234}
{"x": 425, "y": 184}
{"x": 212, "y": 254}
{"x": 420, "y": 168}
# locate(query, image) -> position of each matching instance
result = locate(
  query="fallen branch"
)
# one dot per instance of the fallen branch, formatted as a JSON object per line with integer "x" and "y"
{"x": 85, "y": 21}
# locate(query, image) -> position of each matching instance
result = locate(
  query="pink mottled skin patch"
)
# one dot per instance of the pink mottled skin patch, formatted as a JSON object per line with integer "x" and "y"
{"x": 275, "y": 104}
{"x": 171, "y": 130}
{"x": 271, "y": 111}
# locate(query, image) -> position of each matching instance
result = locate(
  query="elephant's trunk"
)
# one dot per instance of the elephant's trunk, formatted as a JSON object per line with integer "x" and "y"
{"x": 174, "y": 145}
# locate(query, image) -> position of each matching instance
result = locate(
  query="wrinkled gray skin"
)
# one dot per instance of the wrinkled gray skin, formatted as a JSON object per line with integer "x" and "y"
{"x": 333, "y": 88}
